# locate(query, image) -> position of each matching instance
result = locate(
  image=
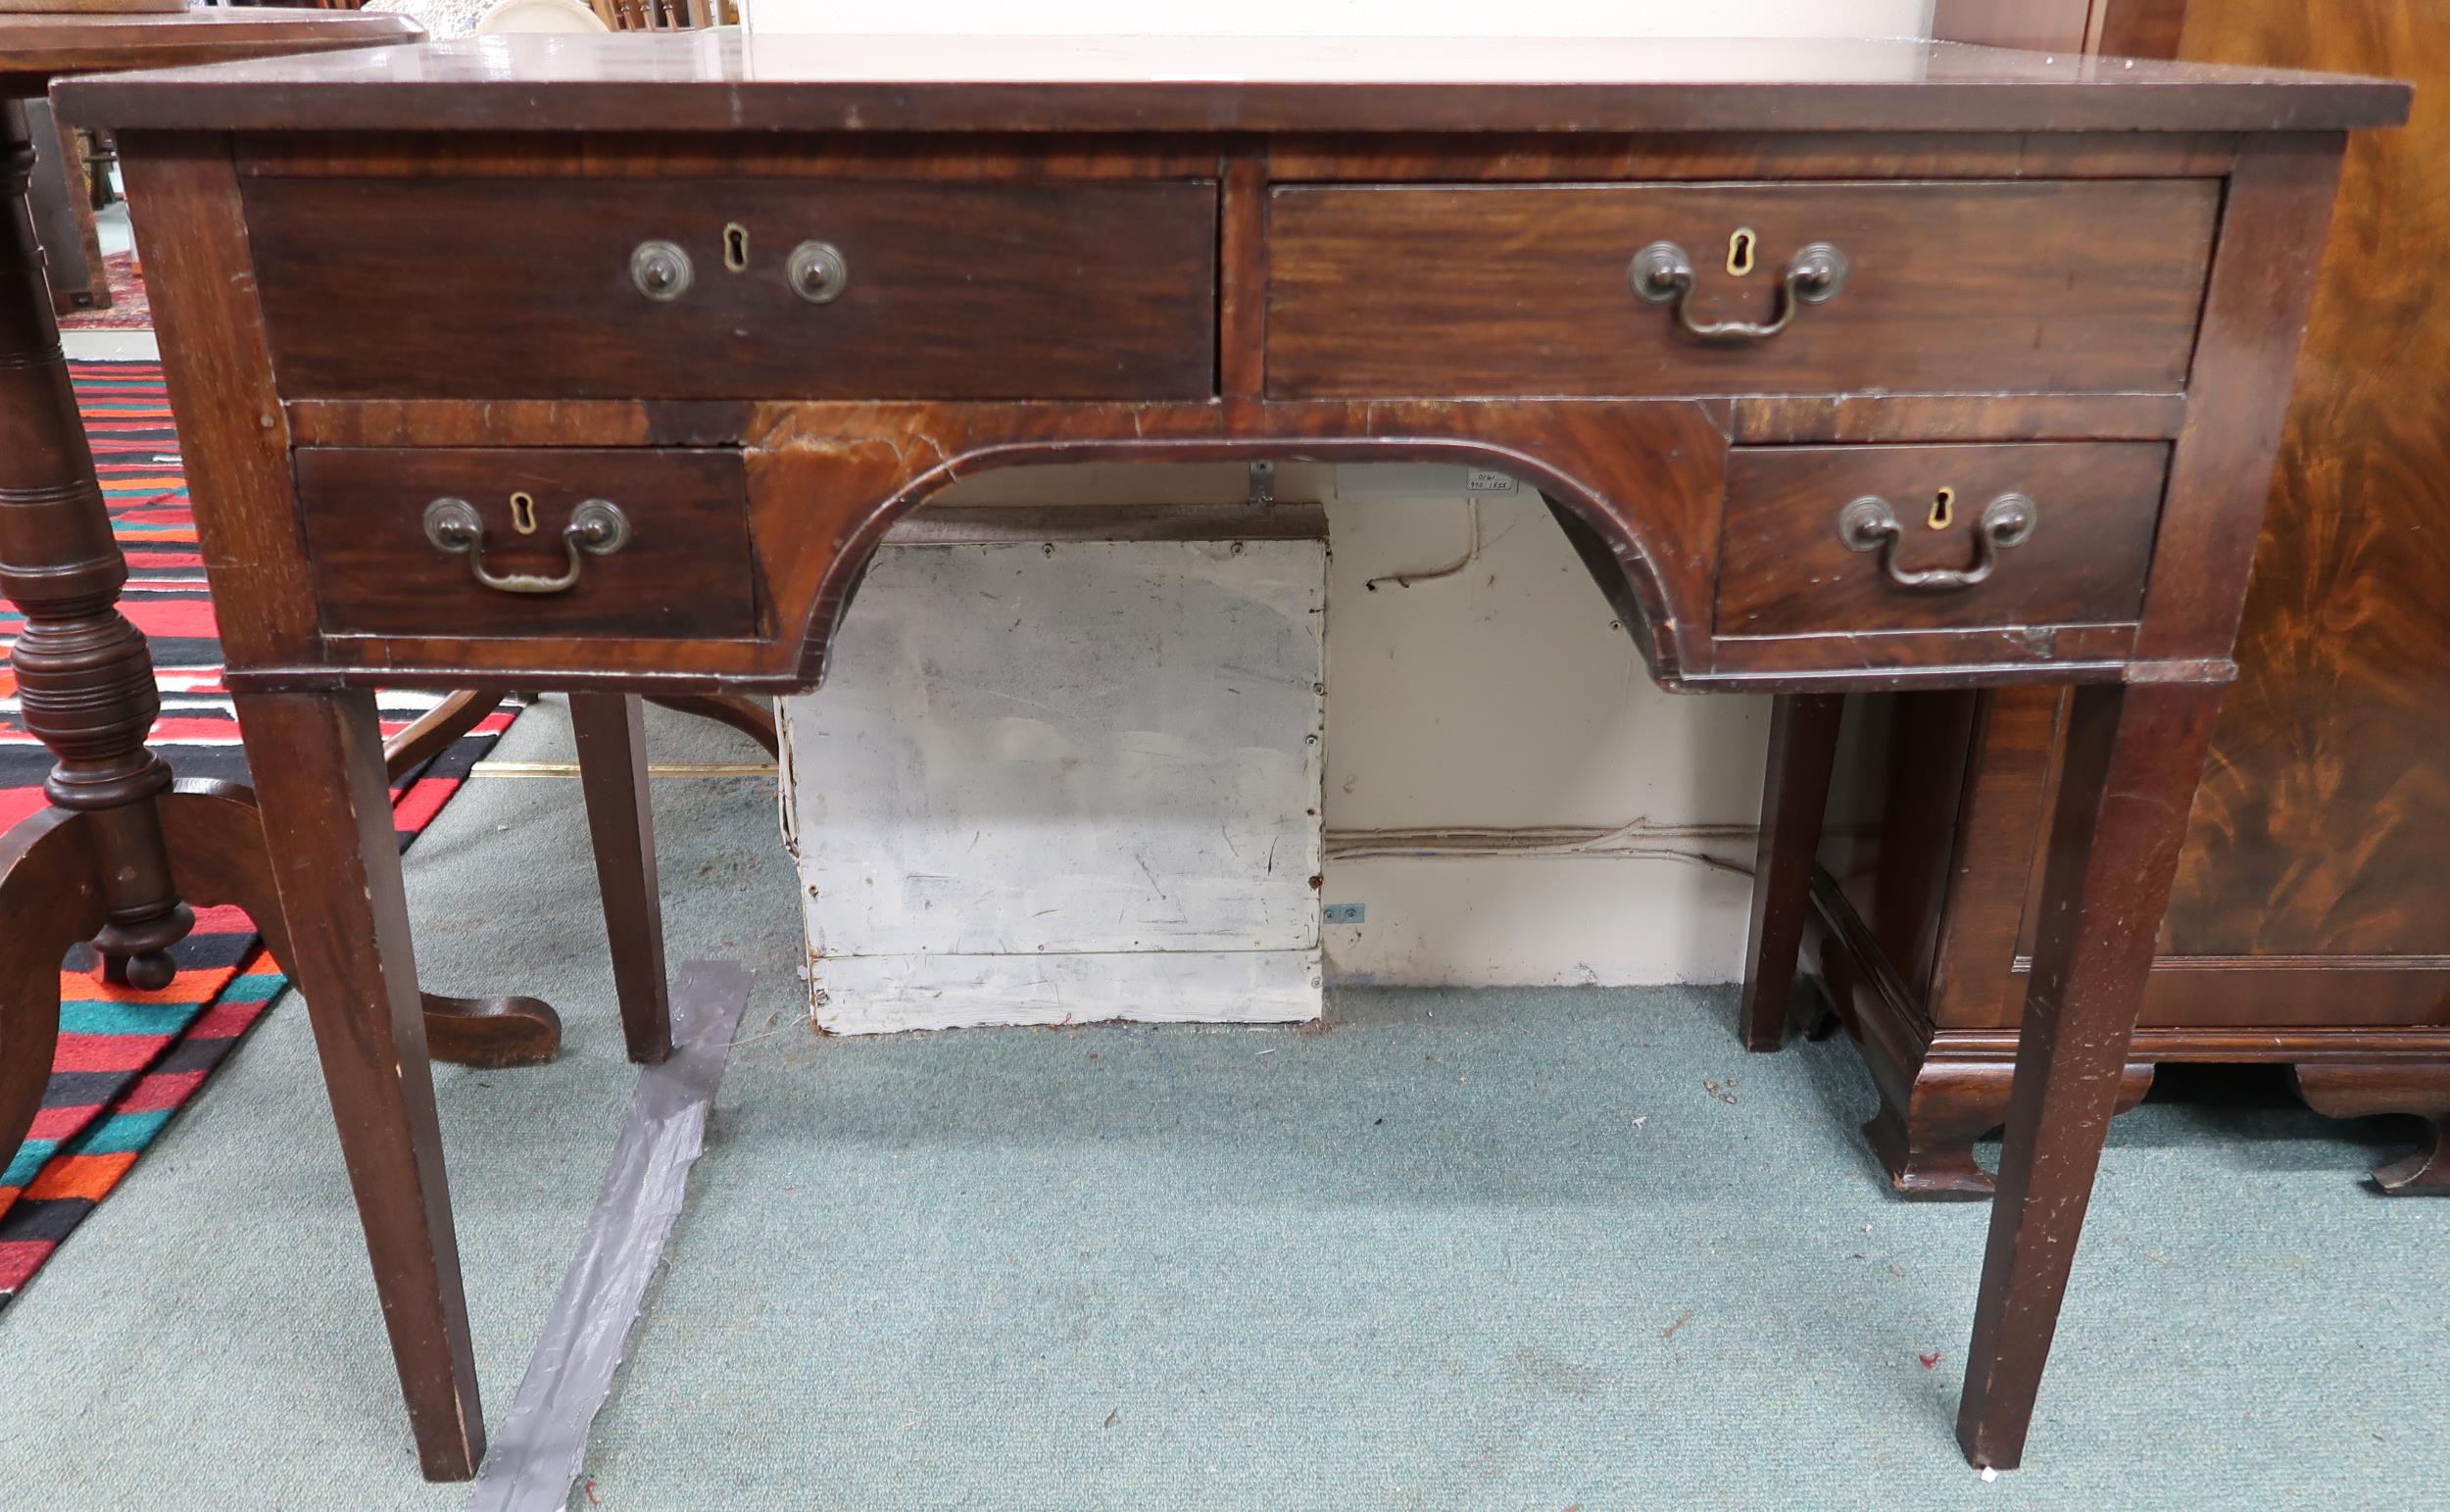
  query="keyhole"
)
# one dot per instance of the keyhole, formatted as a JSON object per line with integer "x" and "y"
{"x": 1740, "y": 250}
{"x": 736, "y": 247}
{"x": 1943, "y": 506}
{"x": 524, "y": 513}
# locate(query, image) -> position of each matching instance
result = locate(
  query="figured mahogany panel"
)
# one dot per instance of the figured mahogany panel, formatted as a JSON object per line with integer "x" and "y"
{"x": 2319, "y": 826}
{"x": 2091, "y": 285}
{"x": 502, "y": 288}
{"x": 685, "y": 570}
{"x": 1784, "y": 568}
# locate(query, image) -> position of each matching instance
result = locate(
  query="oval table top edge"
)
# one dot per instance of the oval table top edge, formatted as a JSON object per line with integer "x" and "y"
{"x": 35, "y": 49}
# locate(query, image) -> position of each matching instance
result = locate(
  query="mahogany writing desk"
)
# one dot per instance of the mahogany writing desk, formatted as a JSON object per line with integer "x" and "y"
{"x": 603, "y": 363}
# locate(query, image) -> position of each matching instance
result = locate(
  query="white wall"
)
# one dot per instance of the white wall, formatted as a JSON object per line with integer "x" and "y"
{"x": 1500, "y": 709}
{"x": 1506, "y": 697}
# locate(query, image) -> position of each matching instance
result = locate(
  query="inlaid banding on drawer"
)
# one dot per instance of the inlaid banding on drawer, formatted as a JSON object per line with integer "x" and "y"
{"x": 1862, "y": 539}
{"x": 1967, "y": 287}
{"x": 661, "y": 289}
{"x": 477, "y": 542}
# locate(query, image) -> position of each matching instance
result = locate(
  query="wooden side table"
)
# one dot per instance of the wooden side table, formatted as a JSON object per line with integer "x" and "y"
{"x": 124, "y": 853}
{"x": 647, "y": 342}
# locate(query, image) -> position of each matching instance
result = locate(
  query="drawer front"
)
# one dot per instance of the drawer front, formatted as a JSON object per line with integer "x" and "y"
{"x": 1792, "y": 562}
{"x": 683, "y": 568}
{"x": 511, "y": 288}
{"x": 1946, "y": 287}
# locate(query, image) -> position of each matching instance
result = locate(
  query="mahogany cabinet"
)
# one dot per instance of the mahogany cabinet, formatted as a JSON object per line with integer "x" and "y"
{"x": 2310, "y": 925}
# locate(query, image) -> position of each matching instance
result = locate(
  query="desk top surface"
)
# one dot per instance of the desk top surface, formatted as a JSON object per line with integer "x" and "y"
{"x": 35, "y": 49}
{"x": 722, "y": 80}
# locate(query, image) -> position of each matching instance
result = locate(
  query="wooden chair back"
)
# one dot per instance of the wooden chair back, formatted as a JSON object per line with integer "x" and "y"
{"x": 665, "y": 15}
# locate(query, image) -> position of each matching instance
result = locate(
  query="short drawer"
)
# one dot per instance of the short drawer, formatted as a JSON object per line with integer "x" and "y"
{"x": 1808, "y": 544}
{"x": 748, "y": 289}
{"x": 389, "y": 559}
{"x": 1980, "y": 287}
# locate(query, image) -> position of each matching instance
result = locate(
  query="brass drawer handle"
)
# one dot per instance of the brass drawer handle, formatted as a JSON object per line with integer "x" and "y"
{"x": 817, "y": 272}
{"x": 1869, "y": 525}
{"x": 1661, "y": 271}
{"x": 661, "y": 271}
{"x": 597, "y": 528}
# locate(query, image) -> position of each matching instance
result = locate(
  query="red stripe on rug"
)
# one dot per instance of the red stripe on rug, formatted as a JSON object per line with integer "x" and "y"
{"x": 106, "y": 1052}
{"x": 424, "y": 798}
{"x": 225, "y": 1020}
{"x": 20, "y": 802}
{"x": 173, "y": 619}
{"x": 224, "y": 919}
{"x": 20, "y": 1258}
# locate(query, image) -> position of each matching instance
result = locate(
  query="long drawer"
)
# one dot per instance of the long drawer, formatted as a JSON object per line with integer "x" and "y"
{"x": 736, "y": 289}
{"x": 1973, "y": 287}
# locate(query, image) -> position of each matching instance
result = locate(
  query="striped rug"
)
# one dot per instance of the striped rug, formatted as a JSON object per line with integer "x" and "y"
{"x": 129, "y": 1060}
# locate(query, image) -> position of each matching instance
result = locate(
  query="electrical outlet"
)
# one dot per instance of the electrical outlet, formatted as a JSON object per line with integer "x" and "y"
{"x": 1484, "y": 480}
{"x": 1343, "y": 913}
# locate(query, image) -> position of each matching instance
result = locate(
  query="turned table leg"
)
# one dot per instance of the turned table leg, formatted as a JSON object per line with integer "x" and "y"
{"x": 1804, "y": 747}
{"x": 84, "y": 674}
{"x": 611, "y": 734}
{"x": 326, "y": 813}
{"x": 2134, "y": 752}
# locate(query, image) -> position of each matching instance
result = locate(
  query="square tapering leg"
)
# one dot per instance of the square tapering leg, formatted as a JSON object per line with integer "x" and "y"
{"x": 327, "y": 820}
{"x": 2135, "y": 754}
{"x": 1795, "y": 798}
{"x": 612, "y": 735}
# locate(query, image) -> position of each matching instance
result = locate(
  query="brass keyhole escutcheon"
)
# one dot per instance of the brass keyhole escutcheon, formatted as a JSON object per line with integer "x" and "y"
{"x": 524, "y": 513}
{"x": 1740, "y": 250}
{"x": 1943, "y": 509}
{"x": 736, "y": 247}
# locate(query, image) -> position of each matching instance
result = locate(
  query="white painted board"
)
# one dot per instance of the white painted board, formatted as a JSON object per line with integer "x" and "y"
{"x": 1068, "y": 782}
{"x": 886, "y": 994}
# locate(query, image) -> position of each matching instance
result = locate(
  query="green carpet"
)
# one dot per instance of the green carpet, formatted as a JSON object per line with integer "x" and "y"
{"x": 1466, "y": 1249}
